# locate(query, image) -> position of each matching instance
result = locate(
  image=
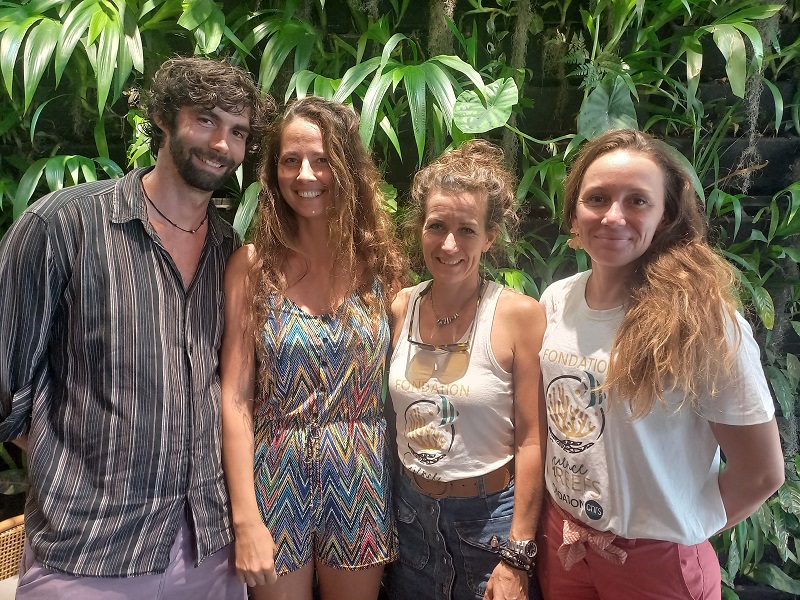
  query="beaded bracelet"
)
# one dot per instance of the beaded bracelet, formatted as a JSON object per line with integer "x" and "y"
{"x": 516, "y": 561}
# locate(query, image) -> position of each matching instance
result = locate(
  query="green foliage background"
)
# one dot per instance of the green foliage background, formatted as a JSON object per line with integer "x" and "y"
{"x": 718, "y": 79}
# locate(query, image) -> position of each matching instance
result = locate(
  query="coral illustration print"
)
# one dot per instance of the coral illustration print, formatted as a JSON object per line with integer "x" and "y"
{"x": 577, "y": 417}
{"x": 430, "y": 428}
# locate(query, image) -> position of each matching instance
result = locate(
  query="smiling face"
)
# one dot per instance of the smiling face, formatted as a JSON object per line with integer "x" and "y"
{"x": 454, "y": 234}
{"x": 305, "y": 178}
{"x": 620, "y": 207}
{"x": 206, "y": 146}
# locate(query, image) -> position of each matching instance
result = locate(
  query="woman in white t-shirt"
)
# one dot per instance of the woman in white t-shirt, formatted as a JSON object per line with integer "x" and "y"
{"x": 648, "y": 371}
{"x": 465, "y": 385}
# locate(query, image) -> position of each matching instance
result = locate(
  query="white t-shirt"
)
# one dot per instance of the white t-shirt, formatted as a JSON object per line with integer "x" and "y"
{"x": 454, "y": 410}
{"x": 655, "y": 477}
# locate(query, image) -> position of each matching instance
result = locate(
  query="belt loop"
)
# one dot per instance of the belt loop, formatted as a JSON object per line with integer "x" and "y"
{"x": 481, "y": 487}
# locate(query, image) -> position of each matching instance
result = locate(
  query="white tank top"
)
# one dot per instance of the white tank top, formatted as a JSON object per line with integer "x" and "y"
{"x": 454, "y": 409}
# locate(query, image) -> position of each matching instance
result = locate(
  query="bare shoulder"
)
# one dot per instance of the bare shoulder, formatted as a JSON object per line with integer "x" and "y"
{"x": 518, "y": 308}
{"x": 400, "y": 304}
{"x": 241, "y": 261}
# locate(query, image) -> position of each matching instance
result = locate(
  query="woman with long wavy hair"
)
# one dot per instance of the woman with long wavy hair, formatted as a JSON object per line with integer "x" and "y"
{"x": 649, "y": 371}
{"x": 303, "y": 355}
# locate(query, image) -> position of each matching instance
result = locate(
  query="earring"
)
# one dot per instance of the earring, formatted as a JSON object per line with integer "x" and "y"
{"x": 575, "y": 241}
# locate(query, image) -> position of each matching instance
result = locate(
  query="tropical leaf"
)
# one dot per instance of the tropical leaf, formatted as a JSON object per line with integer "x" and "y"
{"x": 608, "y": 106}
{"x": 783, "y": 390}
{"x": 27, "y": 186}
{"x": 247, "y": 209}
{"x": 730, "y": 43}
{"x": 472, "y": 116}
{"x": 9, "y": 49}
{"x": 38, "y": 51}
{"x": 288, "y": 37}
{"x": 75, "y": 25}
{"x": 355, "y": 76}
{"x": 770, "y": 574}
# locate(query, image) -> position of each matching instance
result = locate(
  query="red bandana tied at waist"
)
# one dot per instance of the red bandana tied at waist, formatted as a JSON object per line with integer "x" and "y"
{"x": 576, "y": 538}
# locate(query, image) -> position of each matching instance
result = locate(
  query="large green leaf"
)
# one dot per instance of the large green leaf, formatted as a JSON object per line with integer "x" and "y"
{"x": 470, "y": 114}
{"x": 730, "y": 43}
{"x": 372, "y": 101}
{"x": 72, "y": 30}
{"x": 442, "y": 89}
{"x": 354, "y": 76}
{"x": 783, "y": 390}
{"x": 247, "y": 209}
{"x": 414, "y": 82}
{"x": 212, "y": 30}
{"x": 456, "y": 64}
{"x": 196, "y": 13}
{"x": 27, "y": 186}
{"x": 38, "y": 50}
{"x": 54, "y": 172}
{"x": 772, "y": 575}
{"x": 762, "y": 300}
{"x": 608, "y": 106}
{"x": 9, "y": 49}
{"x": 107, "y": 49}
{"x": 280, "y": 44}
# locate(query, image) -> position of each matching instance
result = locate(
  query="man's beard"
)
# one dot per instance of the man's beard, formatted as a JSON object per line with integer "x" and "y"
{"x": 198, "y": 178}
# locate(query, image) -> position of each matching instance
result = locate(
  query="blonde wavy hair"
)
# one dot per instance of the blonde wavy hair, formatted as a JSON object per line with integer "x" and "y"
{"x": 360, "y": 231}
{"x": 475, "y": 166}
{"x": 676, "y": 330}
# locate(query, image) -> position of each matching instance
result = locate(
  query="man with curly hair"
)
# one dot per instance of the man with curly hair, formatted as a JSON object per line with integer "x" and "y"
{"x": 109, "y": 339}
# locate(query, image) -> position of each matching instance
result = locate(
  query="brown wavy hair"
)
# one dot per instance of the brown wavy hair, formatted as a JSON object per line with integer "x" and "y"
{"x": 206, "y": 83}
{"x": 360, "y": 230}
{"x": 682, "y": 294}
{"x": 475, "y": 166}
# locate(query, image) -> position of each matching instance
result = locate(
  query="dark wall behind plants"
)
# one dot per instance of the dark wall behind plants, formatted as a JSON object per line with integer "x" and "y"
{"x": 718, "y": 80}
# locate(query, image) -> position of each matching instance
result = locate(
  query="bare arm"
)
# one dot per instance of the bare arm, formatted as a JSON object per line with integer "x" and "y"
{"x": 254, "y": 544}
{"x": 753, "y": 470}
{"x": 523, "y": 326}
{"x": 399, "y": 308}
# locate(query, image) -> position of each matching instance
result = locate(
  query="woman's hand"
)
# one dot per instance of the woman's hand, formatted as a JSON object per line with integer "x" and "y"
{"x": 507, "y": 583}
{"x": 255, "y": 555}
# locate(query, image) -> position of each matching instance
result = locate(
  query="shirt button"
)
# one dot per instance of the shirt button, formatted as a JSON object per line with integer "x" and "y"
{"x": 433, "y": 510}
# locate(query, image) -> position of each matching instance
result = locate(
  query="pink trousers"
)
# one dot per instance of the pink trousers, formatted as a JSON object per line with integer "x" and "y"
{"x": 653, "y": 569}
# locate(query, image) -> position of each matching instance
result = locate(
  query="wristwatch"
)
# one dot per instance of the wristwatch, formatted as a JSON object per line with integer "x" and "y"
{"x": 524, "y": 548}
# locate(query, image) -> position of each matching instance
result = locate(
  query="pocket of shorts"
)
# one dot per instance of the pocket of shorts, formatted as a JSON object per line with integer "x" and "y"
{"x": 478, "y": 551}
{"x": 413, "y": 549}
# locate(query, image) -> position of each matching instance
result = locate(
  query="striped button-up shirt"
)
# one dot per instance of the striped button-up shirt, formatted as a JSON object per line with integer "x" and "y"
{"x": 110, "y": 364}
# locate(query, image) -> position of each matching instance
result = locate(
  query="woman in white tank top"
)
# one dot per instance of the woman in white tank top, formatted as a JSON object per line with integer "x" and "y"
{"x": 465, "y": 385}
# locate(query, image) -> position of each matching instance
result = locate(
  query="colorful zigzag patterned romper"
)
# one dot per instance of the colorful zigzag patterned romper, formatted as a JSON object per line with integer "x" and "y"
{"x": 321, "y": 471}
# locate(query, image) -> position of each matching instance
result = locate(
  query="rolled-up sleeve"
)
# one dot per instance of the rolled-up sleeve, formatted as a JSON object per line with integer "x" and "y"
{"x": 27, "y": 295}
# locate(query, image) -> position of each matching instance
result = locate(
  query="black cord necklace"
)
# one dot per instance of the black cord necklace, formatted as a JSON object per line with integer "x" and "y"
{"x": 170, "y": 221}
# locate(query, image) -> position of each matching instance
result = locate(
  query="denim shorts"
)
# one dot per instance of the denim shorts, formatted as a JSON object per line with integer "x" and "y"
{"x": 449, "y": 546}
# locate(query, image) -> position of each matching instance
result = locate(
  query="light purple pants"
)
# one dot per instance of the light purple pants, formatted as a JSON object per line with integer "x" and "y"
{"x": 213, "y": 579}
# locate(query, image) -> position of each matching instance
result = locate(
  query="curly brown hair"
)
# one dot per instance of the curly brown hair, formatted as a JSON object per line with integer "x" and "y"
{"x": 207, "y": 83}
{"x": 682, "y": 294}
{"x": 360, "y": 230}
{"x": 475, "y": 166}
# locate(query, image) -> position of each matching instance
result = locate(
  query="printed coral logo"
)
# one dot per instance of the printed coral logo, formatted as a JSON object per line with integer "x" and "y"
{"x": 575, "y": 415}
{"x": 430, "y": 429}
